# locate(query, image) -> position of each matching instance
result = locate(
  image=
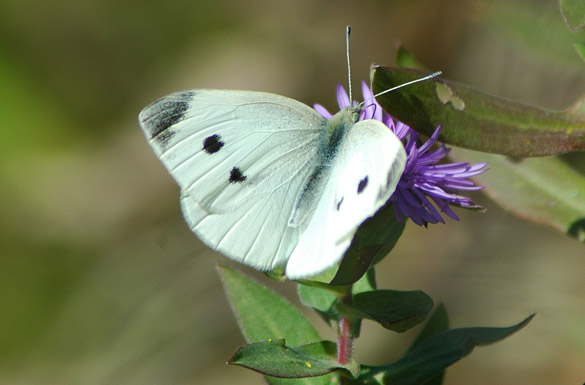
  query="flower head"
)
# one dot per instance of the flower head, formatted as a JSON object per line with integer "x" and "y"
{"x": 424, "y": 181}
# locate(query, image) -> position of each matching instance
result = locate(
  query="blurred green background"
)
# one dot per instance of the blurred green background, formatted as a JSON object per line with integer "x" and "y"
{"x": 101, "y": 282}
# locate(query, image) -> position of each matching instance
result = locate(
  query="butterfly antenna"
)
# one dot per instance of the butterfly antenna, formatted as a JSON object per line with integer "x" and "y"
{"x": 428, "y": 77}
{"x": 347, "y": 33}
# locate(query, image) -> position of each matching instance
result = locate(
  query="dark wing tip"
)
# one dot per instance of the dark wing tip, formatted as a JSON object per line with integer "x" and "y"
{"x": 156, "y": 118}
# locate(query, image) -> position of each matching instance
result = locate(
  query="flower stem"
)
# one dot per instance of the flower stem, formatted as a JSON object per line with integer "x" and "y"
{"x": 344, "y": 342}
{"x": 344, "y": 333}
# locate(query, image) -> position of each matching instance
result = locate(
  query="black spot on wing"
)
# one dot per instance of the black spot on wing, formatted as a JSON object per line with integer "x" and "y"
{"x": 339, "y": 204}
{"x": 236, "y": 176}
{"x": 212, "y": 144}
{"x": 362, "y": 185}
{"x": 158, "y": 118}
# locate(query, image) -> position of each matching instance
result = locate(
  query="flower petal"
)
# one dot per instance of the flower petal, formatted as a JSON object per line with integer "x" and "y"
{"x": 322, "y": 110}
{"x": 342, "y": 98}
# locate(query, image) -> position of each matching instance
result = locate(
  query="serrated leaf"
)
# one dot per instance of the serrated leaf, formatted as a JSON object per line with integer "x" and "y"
{"x": 485, "y": 123}
{"x": 438, "y": 352}
{"x": 264, "y": 315}
{"x": 394, "y": 310}
{"x": 574, "y": 14}
{"x": 542, "y": 190}
{"x": 374, "y": 239}
{"x": 275, "y": 359}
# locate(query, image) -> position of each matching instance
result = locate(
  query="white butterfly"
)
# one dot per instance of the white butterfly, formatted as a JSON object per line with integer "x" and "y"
{"x": 267, "y": 180}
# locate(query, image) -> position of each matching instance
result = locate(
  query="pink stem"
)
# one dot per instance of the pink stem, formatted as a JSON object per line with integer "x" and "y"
{"x": 344, "y": 342}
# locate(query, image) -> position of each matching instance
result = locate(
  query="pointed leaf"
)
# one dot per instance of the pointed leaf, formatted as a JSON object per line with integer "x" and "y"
{"x": 438, "y": 322}
{"x": 275, "y": 359}
{"x": 405, "y": 59}
{"x": 263, "y": 315}
{"x": 574, "y": 14}
{"x": 475, "y": 120}
{"x": 542, "y": 190}
{"x": 374, "y": 239}
{"x": 394, "y": 310}
{"x": 441, "y": 350}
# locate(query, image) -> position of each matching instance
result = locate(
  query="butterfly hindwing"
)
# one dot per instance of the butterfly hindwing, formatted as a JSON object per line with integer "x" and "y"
{"x": 241, "y": 159}
{"x": 364, "y": 175}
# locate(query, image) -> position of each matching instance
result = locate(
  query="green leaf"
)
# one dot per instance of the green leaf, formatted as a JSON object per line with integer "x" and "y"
{"x": 320, "y": 299}
{"x": 276, "y": 274}
{"x": 532, "y": 29}
{"x": 476, "y": 120}
{"x": 374, "y": 239}
{"x": 275, "y": 359}
{"x": 580, "y": 48}
{"x": 438, "y": 352}
{"x": 405, "y": 59}
{"x": 438, "y": 322}
{"x": 263, "y": 315}
{"x": 574, "y": 14}
{"x": 366, "y": 283}
{"x": 543, "y": 190}
{"x": 394, "y": 310}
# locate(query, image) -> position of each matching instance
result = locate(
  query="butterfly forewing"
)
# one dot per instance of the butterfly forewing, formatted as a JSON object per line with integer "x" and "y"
{"x": 212, "y": 140}
{"x": 241, "y": 159}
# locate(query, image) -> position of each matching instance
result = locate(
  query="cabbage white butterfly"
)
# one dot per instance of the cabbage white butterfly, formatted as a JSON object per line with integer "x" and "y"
{"x": 268, "y": 181}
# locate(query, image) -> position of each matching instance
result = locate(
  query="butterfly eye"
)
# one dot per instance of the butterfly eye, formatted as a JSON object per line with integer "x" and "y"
{"x": 362, "y": 185}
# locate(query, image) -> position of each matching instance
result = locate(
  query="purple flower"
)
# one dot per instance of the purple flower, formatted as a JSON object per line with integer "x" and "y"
{"x": 423, "y": 181}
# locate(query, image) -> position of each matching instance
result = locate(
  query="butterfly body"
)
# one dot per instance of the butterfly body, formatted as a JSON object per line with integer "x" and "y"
{"x": 267, "y": 180}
